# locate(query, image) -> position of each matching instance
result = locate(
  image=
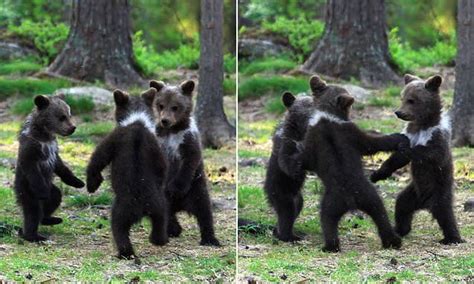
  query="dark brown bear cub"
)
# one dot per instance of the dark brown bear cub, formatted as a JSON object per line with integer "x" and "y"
{"x": 285, "y": 176}
{"x": 333, "y": 148}
{"x": 38, "y": 160}
{"x": 429, "y": 132}
{"x": 138, "y": 171}
{"x": 178, "y": 135}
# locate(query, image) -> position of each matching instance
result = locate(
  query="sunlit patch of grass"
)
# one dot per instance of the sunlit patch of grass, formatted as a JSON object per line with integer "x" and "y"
{"x": 78, "y": 105}
{"x": 386, "y": 126}
{"x": 85, "y": 200}
{"x": 259, "y": 131}
{"x": 267, "y": 65}
{"x": 18, "y": 67}
{"x": 28, "y": 87}
{"x": 97, "y": 128}
{"x": 258, "y": 85}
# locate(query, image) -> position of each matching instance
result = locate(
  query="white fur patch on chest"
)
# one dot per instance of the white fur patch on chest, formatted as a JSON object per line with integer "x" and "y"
{"x": 50, "y": 151}
{"x": 424, "y": 136}
{"x": 171, "y": 143}
{"x": 319, "y": 115}
{"x": 142, "y": 117}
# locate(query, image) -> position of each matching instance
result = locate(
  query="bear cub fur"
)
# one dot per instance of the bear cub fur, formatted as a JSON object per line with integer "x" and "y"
{"x": 138, "y": 171}
{"x": 285, "y": 177}
{"x": 38, "y": 160}
{"x": 178, "y": 135}
{"x": 429, "y": 132}
{"x": 333, "y": 148}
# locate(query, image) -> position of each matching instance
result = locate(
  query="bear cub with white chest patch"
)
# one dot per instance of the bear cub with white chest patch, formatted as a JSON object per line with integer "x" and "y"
{"x": 178, "y": 135}
{"x": 284, "y": 176}
{"x": 333, "y": 148}
{"x": 431, "y": 187}
{"x": 138, "y": 170}
{"x": 38, "y": 160}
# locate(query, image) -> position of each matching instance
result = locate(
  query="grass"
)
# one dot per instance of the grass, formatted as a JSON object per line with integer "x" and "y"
{"x": 258, "y": 85}
{"x": 78, "y": 105}
{"x": 19, "y": 67}
{"x": 267, "y": 65}
{"x": 28, "y": 87}
{"x": 81, "y": 249}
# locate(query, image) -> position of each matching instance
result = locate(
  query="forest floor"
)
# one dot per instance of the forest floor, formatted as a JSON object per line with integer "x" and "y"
{"x": 81, "y": 248}
{"x": 264, "y": 258}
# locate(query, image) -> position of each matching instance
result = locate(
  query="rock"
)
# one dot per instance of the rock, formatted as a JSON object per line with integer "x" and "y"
{"x": 469, "y": 205}
{"x": 359, "y": 93}
{"x": 223, "y": 204}
{"x": 99, "y": 96}
{"x": 258, "y": 48}
{"x": 11, "y": 50}
{"x": 8, "y": 162}
{"x": 252, "y": 162}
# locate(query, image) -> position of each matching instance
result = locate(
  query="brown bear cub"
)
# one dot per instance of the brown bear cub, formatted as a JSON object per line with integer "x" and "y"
{"x": 285, "y": 177}
{"x": 429, "y": 132}
{"x": 138, "y": 171}
{"x": 333, "y": 148}
{"x": 178, "y": 135}
{"x": 38, "y": 160}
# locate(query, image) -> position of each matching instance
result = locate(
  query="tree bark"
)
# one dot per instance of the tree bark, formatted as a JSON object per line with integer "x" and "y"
{"x": 99, "y": 46}
{"x": 463, "y": 103}
{"x": 354, "y": 44}
{"x": 212, "y": 122}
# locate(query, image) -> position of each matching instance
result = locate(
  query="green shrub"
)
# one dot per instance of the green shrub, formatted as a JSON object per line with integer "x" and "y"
{"x": 229, "y": 86}
{"x": 48, "y": 37}
{"x": 29, "y": 87}
{"x": 257, "y": 86}
{"x": 408, "y": 59}
{"x": 230, "y": 63}
{"x": 302, "y": 33}
{"x": 19, "y": 67}
{"x": 78, "y": 105}
{"x": 271, "y": 65}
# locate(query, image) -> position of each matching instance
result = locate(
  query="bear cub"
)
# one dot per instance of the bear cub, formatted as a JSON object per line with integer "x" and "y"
{"x": 285, "y": 177}
{"x": 429, "y": 153}
{"x": 333, "y": 148}
{"x": 137, "y": 172}
{"x": 178, "y": 135}
{"x": 38, "y": 160}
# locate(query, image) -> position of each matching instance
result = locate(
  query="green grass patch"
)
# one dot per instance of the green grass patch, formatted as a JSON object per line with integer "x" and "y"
{"x": 257, "y": 86}
{"x": 78, "y": 105}
{"x": 267, "y": 65}
{"x": 383, "y": 101}
{"x": 229, "y": 86}
{"x": 85, "y": 200}
{"x": 28, "y": 87}
{"x": 85, "y": 130}
{"x": 385, "y": 126}
{"x": 19, "y": 67}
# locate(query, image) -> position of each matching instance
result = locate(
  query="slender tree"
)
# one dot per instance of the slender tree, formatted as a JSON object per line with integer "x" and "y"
{"x": 99, "y": 46}
{"x": 212, "y": 121}
{"x": 354, "y": 44}
{"x": 463, "y": 105}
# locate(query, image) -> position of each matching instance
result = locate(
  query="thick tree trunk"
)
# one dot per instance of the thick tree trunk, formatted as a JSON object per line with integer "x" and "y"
{"x": 99, "y": 46}
{"x": 212, "y": 122}
{"x": 354, "y": 44}
{"x": 463, "y": 105}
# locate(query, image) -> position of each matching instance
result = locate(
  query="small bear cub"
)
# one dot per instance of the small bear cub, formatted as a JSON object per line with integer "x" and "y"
{"x": 137, "y": 173}
{"x": 38, "y": 160}
{"x": 429, "y": 132}
{"x": 333, "y": 148}
{"x": 178, "y": 135}
{"x": 285, "y": 176}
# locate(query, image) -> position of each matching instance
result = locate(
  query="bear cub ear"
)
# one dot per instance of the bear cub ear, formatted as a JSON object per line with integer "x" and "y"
{"x": 410, "y": 78}
{"x": 121, "y": 98}
{"x": 187, "y": 87}
{"x": 41, "y": 102}
{"x": 433, "y": 83}
{"x": 288, "y": 99}
{"x": 344, "y": 101}
{"x": 149, "y": 96}
{"x": 317, "y": 84}
{"x": 158, "y": 85}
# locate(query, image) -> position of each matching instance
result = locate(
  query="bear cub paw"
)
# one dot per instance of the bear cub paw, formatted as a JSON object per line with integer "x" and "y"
{"x": 50, "y": 221}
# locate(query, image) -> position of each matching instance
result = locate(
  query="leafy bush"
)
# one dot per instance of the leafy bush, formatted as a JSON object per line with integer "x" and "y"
{"x": 47, "y": 37}
{"x": 19, "y": 67}
{"x": 29, "y": 87}
{"x": 257, "y": 86}
{"x": 408, "y": 59}
{"x": 230, "y": 63}
{"x": 301, "y": 33}
{"x": 268, "y": 65}
{"x": 229, "y": 87}
{"x": 78, "y": 105}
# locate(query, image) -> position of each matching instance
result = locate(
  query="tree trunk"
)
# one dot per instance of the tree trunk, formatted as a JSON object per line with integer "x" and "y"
{"x": 212, "y": 122}
{"x": 463, "y": 104}
{"x": 99, "y": 46}
{"x": 354, "y": 44}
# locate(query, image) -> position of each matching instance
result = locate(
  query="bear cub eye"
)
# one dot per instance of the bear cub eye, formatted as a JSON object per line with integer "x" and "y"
{"x": 62, "y": 118}
{"x": 175, "y": 108}
{"x": 161, "y": 107}
{"x": 410, "y": 101}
